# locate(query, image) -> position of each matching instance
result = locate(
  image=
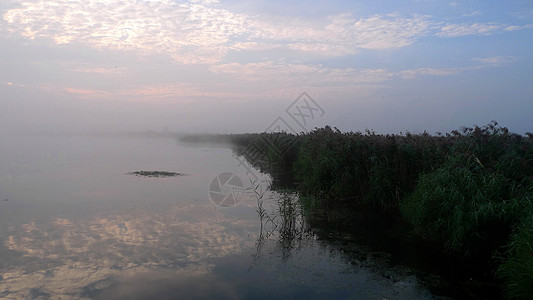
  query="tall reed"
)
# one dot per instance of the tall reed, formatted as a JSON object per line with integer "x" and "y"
{"x": 470, "y": 190}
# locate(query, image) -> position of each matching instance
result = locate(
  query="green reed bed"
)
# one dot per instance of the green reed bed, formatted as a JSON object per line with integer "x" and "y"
{"x": 469, "y": 190}
{"x": 516, "y": 268}
{"x": 479, "y": 202}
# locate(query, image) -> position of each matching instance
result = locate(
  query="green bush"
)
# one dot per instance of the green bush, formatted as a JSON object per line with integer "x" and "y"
{"x": 483, "y": 189}
{"x": 465, "y": 208}
{"x": 467, "y": 189}
{"x": 517, "y": 267}
{"x": 377, "y": 169}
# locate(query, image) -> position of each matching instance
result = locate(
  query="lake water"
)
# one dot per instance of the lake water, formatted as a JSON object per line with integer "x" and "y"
{"x": 74, "y": 224}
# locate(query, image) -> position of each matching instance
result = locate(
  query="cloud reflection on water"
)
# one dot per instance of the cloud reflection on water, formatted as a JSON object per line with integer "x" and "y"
{"x": 70, "y": 256}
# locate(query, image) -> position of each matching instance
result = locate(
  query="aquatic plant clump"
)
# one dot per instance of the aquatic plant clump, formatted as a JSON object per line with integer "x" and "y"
{"x": 517, "y": 265}
{"x": 470, "y": 190}
{"x": 155, "y": 174}
{"x": 483, "y": 189}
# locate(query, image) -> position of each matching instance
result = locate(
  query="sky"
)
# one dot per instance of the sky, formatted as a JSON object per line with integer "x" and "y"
{"x": 239, "y": 66}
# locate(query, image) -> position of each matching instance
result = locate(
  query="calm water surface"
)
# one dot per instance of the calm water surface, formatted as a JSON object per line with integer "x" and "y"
{"x": 73, "y": 224}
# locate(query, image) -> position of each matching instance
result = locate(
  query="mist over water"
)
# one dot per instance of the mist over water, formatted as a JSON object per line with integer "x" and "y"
{"x": 93, "y": 91}
{"x": 75, "y": 224}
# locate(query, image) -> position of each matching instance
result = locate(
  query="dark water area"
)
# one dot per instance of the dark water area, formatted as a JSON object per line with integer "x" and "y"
{"x": 445, "y": 274}
{"x": 75, "y": 225}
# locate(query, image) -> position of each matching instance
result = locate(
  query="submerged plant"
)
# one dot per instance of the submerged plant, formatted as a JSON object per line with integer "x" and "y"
{"x": 258, "y": 191}
{"x": 285, "y": 221}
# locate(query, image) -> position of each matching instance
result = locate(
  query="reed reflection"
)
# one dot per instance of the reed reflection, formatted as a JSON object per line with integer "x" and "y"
{"x": 281, "y": 220}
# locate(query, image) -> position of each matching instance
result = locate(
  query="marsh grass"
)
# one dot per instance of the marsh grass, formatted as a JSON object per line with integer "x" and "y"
{"x": 470, "y": 190}
{"x": 267, "y": 220}
{"x": 517, "y": 263}
{"x": 286, "y": 222}
{"x": 476, "y": 198}
{"x": 482, "y": 189}
{"x": 377, "y": 169}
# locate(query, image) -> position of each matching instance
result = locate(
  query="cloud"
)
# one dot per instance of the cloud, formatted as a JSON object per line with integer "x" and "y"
{"x": 255, "y": 46}
{"x": 262, "y": 79}
{"x": 322, "y": 49}
{"x": 456, "y": 30}
{"x": 98, "y": 70}
{"x": 409, "y": 74}
{"x": 196, "y": 32}
{"x": 191, "y": 32}
{"x": 225, "y": 54}
{"x": 517, "y": 27}
{"x": 11, "y": 84}
{"x": 497, "y": 60}
{"x": 379, "y": 33}
{"x": 286, "y": 74}
{"x": 347, "y": 34}
{"x": 271, "y": 76}
{"x": 280, "y": 74}
{"x": 472, "y": 13}
{"x": 176, "y": 92}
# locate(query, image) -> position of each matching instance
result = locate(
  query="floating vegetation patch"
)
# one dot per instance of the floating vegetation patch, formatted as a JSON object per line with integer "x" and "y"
{"x": 155, "y": 174}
